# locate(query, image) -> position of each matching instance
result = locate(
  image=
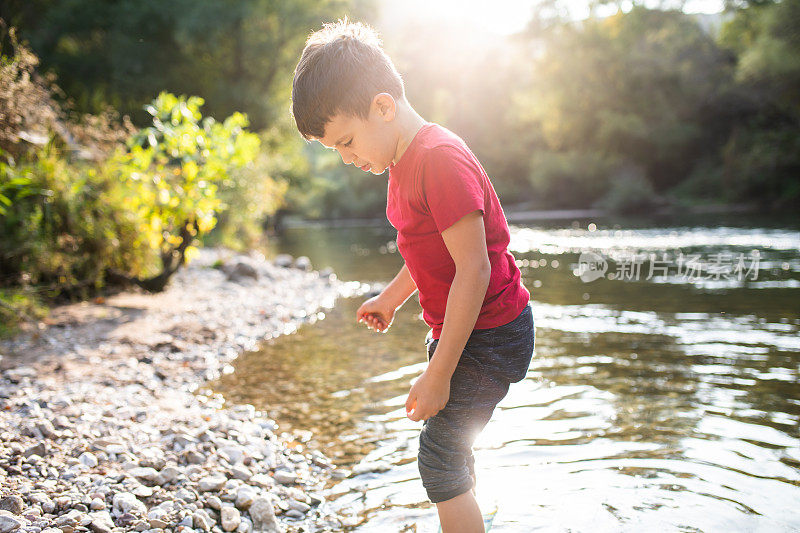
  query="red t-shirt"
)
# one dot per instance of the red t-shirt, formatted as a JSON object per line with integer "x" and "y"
{"x": 437, "y": 181}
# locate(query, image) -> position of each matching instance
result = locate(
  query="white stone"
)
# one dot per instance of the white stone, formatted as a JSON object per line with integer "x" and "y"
{"x": 88, "y": 459}
{"x": 230, "y": 518}
{"x": 212, "y": 483}
{"x": 125, "y": 502}
{"x": 263, "y": 515}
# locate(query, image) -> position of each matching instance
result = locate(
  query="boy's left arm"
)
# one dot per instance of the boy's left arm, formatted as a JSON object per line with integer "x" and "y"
{"x": 466, "y": 242}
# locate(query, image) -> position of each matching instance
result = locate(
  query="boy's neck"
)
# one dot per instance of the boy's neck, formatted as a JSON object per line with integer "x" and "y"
{"x": 408, "y": 124}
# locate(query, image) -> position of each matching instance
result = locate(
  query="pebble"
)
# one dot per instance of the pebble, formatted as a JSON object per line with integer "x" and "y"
{"x": 201, "y": 520}
{"x": 101, "y": 522}
{"x": 97, "y": 504}
{"x": 212, "y": 483}
{"x": 9, "y": 522}
{"x": 88, "y": 459}
{"x": 118, "y": 440}
{"x": 12, "y": 504}
{"x": 230, "y": 518}
{"x": 285, "y": 478}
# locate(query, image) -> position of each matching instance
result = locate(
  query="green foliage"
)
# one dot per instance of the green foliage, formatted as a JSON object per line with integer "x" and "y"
{"x": 66, "y": 226}
{"x": 238, "y": 55}
{"x": 175, "y": 168}
{"x": 60, "y": 227}
{"x": 630, "y": 192}
{"x": 570, "y": 178}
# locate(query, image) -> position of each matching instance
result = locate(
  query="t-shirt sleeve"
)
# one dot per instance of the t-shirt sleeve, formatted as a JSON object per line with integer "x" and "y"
{"x": 452, "y": 186}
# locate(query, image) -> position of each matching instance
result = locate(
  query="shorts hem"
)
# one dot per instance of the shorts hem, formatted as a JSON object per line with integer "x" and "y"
{"x": 439, "y": 497}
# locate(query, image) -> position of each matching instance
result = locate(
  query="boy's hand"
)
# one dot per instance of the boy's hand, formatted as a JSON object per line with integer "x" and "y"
{"x": 427, "y": 396}
{"x": 376, "y": 314}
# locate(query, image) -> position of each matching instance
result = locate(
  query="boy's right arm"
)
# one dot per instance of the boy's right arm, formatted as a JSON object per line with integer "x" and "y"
{"x": 378, "y": 312}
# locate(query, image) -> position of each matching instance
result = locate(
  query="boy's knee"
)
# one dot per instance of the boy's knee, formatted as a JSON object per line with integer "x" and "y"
{"x": 443, "y": 468}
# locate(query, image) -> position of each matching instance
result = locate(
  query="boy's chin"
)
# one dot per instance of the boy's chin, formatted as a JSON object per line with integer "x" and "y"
{"x": 377, "y": 170}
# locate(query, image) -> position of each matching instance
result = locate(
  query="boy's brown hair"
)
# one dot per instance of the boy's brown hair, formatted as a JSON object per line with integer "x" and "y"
{"x": 340, "y": 71}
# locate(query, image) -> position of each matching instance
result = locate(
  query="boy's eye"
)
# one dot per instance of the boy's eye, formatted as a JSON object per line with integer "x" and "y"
{"x": 348, "y": 143}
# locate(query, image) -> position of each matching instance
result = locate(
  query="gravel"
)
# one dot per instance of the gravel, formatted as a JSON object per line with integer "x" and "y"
{"x": 101, "y": 429}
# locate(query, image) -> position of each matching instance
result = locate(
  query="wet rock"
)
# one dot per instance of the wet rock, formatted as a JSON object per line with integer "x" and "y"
{"x": 377, "y": 466}
{"x": 13, "y": 504}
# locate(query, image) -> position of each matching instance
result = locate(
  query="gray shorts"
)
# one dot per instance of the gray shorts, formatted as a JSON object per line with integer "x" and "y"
{"x": 492, "y": 359}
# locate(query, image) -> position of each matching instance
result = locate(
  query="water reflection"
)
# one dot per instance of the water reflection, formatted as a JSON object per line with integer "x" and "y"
{"x": 649, "y": 406}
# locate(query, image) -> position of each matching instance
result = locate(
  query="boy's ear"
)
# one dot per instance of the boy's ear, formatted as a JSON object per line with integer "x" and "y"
{"x": 385, "y": 106}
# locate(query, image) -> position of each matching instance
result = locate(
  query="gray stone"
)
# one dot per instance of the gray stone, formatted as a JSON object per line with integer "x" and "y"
{"x": 9, "y": 522}
{"x": 245, "y": 497}
{"x": 88, "y": 459}
{"x": 201, "y": 520}
{"x": 167, "y": 475}
{"x": 142, "y": 491}
{"x": 245, "y": 526}
{"x": 241, "y": 472}
{"x": 186, "y": 495}
{"x": 212, "y": 483}
{"x": 262, "y": 480}
{"x": 144, "y": 472}
{"x": 193, "y": 457}
{"x": 12, "y": 504}
{"x": 187, "y": 521}
{"x": 230, "y": 518}
{"x": 295, "y": 514}
{"x": 263, "y": 515}
{"x": 101, "y": 522}
{"x": 157, "y": 523}
{"x": 38, "y": 449}
{"x": 285, "y": 478}
{"x": 97, "y": 504}
{"x": 125, "y": 502}
{"x": 299, "y": 506}
{"x": 283, "y": 260}
{"x": 302, "y": 263}
{"x": 240, "y": 270}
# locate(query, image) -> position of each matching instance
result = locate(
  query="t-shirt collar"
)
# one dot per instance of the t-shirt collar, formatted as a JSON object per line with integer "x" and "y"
{"x": 412, "y": 147}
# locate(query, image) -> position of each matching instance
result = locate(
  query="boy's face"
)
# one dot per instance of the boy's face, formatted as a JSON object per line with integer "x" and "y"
{"x": 368, "y": 144}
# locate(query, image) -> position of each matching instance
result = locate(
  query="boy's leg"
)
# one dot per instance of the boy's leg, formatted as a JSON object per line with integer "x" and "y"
{"x": 445, "y": 460}
{"x": 460, "y": 514}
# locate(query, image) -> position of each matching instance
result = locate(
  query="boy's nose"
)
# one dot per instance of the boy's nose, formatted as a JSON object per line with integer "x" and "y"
{"x": 347, "y": 157}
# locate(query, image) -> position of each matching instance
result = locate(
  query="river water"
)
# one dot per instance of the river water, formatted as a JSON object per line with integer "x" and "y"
{"x": 663, "y": 394}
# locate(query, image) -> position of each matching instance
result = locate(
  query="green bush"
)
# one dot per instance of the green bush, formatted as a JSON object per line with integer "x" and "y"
{"x": 569, "y": 179}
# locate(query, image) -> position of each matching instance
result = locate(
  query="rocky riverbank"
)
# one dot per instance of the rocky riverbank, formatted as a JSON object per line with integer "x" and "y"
{"x": 100, "y": 429}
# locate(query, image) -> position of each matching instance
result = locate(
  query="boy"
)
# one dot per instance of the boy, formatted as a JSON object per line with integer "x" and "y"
{"x": 453, "y": 236}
